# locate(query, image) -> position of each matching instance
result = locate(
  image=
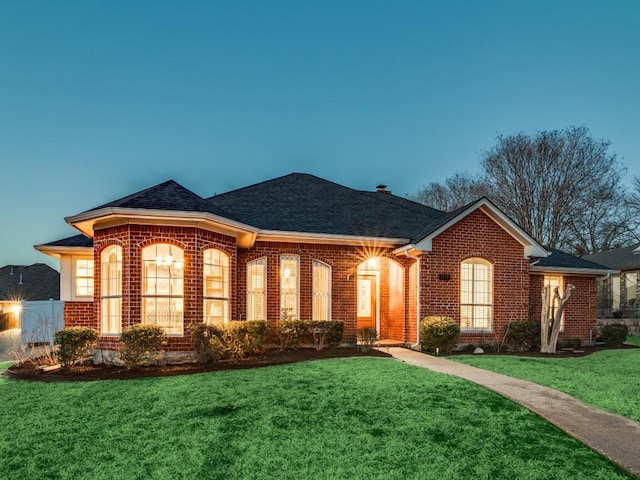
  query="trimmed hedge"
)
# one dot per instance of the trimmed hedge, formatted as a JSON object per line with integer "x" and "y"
{"x": 523, "y": 336}
{"x": 142, "y": 344}
{"x": 438, "y": 332}
{"x": 614, "y": 334}
{"x": 291, "y": 333}
{"x": 74, "y": 344}
{"x": 235, "y": 340}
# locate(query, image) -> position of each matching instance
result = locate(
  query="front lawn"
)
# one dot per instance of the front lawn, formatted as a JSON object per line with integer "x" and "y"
{"x": 634, "y": 340}
{"x": 609, "y": 380}
{"x": 350, "y": 418}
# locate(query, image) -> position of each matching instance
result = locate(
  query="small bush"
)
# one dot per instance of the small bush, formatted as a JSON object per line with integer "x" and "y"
{"x": 574, "y": 343}
{"x": 142, "y": 344}
{"x": 201, "y": 335}
{"x": 250, "y": 333}
{"x": 367, "y": 337}
{"x": 615, "y": 334}
{"x": 226, "y": 344}
{"x": 74, "y": 344}
{"x": 326, "y": 332}
{"x": 523, "y": 336}
{"x": 291, "y": 332}
{"x": 438, "y": 332}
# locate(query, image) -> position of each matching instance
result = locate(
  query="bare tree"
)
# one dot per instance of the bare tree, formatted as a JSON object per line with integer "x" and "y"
{"x": 561, "y": 186}
{"x": 455, "y": 192}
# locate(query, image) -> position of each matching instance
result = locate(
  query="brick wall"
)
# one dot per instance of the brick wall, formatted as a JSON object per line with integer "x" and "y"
{"x": 80, "y": 314}
{"x": 476, "y": 236}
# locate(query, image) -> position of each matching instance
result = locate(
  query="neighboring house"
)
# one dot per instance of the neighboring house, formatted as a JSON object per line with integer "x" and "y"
{"x": 618, "y": 292}
{"x": 22, "y": 286}
{"x": 300, "y": 247}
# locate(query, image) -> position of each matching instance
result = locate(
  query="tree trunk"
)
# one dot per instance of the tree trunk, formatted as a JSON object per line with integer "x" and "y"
{"x": 549, "y": 344}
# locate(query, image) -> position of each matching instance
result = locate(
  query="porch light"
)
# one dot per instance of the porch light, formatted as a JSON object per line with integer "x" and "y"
{"x": 16, "y": 308}
{"x": 373, "y": 264}
{"x": 287, "y": 272}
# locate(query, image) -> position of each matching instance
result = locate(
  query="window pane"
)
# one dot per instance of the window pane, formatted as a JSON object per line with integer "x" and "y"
{"x": 476, "y": 294}
{"x": 289, "y": 287}
{"x": 84, "y": 277}
{"x": 163, "y": 287}
{"x": 321, "y": 308}
{"x": 216, "y": 286}
{"x": 111, "y": 289}
{"x": 256, "y": 292}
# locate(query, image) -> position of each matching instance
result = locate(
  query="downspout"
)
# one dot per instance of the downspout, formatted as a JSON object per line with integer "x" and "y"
{"x": 417, "y": 259}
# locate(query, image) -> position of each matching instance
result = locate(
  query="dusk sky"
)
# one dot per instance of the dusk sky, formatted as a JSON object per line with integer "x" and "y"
{"x": 102, "y": 99}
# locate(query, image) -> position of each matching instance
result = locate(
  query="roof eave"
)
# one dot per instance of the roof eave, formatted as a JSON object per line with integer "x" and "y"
{"x": 85, "y": 222}
{"x": 324, "y": 238}
{"x": 573, "y": 271}
{"x": 57, "y": 251}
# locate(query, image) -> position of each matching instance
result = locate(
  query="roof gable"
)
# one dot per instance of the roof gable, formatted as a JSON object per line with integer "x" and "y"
{"x": 531, "y": 247}
{"x": 565, "y": 262}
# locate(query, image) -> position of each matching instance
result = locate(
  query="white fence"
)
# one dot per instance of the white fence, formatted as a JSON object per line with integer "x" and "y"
{"x": 40, "y": 320}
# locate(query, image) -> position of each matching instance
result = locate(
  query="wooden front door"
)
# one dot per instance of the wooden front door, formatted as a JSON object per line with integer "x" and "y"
{"x": 367, "y": 296}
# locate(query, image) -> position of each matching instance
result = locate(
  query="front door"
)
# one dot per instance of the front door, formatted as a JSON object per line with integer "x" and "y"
{"x": 367, "y": 294}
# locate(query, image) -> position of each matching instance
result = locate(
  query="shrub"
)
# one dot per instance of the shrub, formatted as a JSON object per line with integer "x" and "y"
{"x": 522, "y": 336}
{"x": 291, "y": 332}
{"x": 250, "y": 333}
{"x": 326, "y": 332}
{"x": 367, "y": 336}
{"x": 574, "y": 343}
{"x": 615, "y": 334}
{"x": 74, "y": 344}
{"x": 201, "y": 335}
{"x": 226, "y": 344}
{"x": 438, "y": 332}
{"x": 142, "y": 344}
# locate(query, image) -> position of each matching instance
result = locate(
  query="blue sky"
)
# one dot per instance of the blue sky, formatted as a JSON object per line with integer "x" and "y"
{"x": 101, "y": 99}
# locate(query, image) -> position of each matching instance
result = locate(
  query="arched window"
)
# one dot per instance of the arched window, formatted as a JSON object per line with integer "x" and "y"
{"x": 321, "y": 308}
{"x": 216, "y": 286}
{"x": 257, "y": 289}
{"x": 476, "y": 294}
{"x": 289, "y": 287}
{"x": 111, "y": 290}
{"x": 163, "y": 287}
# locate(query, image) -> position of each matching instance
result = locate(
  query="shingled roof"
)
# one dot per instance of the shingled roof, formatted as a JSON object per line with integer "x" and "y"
{"x": 75, "y": 241}
{"x": 169, "y": 195}
{"x": 619, "y": 258}
{"x": 30, "y": 283}
{"x": 304, "y": 203}
{"x": 562, "y": 260}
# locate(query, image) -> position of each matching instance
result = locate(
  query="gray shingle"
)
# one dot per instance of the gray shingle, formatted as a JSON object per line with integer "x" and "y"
{"x": 618, "y": 258}
{"x": 560, "y": 259}
{"x": 33, "y": 282}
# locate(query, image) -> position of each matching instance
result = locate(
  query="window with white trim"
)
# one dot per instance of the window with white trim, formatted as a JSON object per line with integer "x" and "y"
{"x": 111, "y": 290}
{"x": 163, "y": 287}
{"x": 321, "y": 291}
{"x": 256, "y": 289}
{"x": 215, "y": 270}
{"x": 83, "y": 277}
{"x": 476, "y": 294}
{"x": 289, "y": 287}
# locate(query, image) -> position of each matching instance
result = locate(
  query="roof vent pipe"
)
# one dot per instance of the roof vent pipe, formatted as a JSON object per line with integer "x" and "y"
{"x": 20, "y": 282}
{"x": 382, "y": 188}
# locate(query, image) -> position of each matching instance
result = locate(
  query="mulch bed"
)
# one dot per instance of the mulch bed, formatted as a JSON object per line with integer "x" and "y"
{"x": 582, "y": 352}
{"x": 28, "y": 371}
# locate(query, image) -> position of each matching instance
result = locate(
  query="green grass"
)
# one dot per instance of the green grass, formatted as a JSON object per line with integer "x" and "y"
{"x": 634, "y": 340}
{"x": 332, "y": 419}
{"x": 609, "y": 380}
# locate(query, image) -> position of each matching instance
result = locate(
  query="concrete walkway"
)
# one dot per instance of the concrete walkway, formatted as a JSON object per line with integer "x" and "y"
{"x": 616, "y": 437}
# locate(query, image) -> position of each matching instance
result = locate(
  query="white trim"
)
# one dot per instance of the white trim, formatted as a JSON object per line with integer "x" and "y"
{"x": 571, "y": 271}
{"x": 531, "y": 247}
{"x": 57, "y": 251}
